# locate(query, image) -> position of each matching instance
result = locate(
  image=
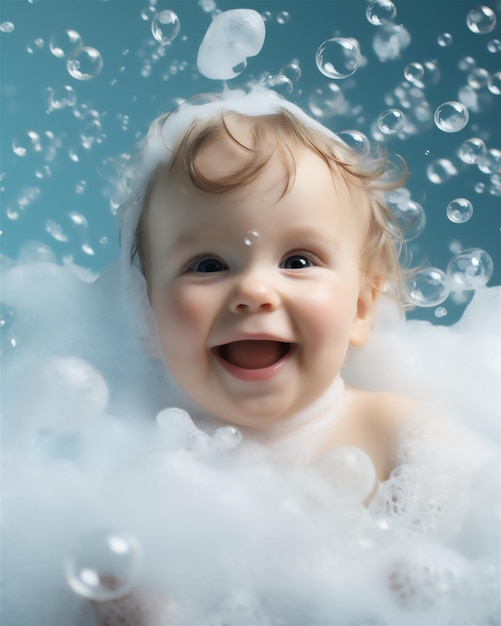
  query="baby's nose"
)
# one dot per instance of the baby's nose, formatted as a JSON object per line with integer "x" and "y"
{"x": 254, "y": 293}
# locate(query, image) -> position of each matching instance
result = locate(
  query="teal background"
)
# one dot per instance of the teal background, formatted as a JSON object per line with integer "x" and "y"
{"x": 124, "y": 39}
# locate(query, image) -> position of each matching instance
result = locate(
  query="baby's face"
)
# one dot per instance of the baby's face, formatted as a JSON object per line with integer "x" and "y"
{"x": 257, "y": 297}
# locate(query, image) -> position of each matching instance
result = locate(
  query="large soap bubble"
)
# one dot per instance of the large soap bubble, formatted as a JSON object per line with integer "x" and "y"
{"x": 470, "y": 269}
{"x": 428, "y": 287}
{"x": 379, "y": 12}
{"x": 86, "y": 64}
{"x": 459, "y": 210}
{"x": 103, "y": 565}
{"x": 65, "y": 43}
{"x": 481, "y": 20}
{"x": 451, "y": 117}
{"x": 232, "y": 37}
{"x": 472, "y": 150}
{"x": 165, "y": 27}
{"x": 338, "y": 57}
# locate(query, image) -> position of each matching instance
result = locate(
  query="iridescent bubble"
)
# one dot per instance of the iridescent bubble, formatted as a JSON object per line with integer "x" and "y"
{"x": 414, "y": 73}
{"x": 428, "y": 287}
{"x": 409, "y": 215}
{"x": 440, "y": 171}
{"x": 470, "y": 269}
{"x": 444, "y": 40}
{"x": 165, "y": 27}
{"x": 391, "y": 121}
{"x": 62, "y": 97}
{"x": 478, "y": 78}
{"x": 459, "y": 210}
{"x": 451, "y": 117}
{"x": 283, "y": 17}
{"x": 326, "y": 102}
{"x": 251, "y": 238}
{"x": 481, "y": 20}
{"x": 356, "y": 140}
{"x": 7, "y": 27}
{"x": 65, "y": 43}
{"x": 472, "y": 150}
{"x": 494, "y": 83}
{"x": 379, "y": 12}
{"x": 27, "y": 143}
{"x": 338, "y": 57}
{"x": 103, "y": 565}
{"x": 86, "y": 64}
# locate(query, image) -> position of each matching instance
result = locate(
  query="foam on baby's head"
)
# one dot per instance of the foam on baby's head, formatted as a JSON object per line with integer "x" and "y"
{"x": 274, "y": 125}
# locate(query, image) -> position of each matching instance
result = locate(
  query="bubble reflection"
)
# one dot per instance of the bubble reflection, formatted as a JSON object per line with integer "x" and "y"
{"x": 251, "y": 238}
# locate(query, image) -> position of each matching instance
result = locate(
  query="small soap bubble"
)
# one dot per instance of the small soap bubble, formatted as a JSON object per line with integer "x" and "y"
{"x": 15, "y": 210}
{"x": 283, "y": 17}
{"x": 65, "y": 43}
{"x": 428, "y": 287}
{"x": 409, "y": 215}
{"x": 440, "y": 171}
{"x": 33, "y": 251}
{"x": 379, "y": 12}
{"x": 451, "y": 117}
{"x": 470, "y": 269}
{"x": 467, "y": 63}
{"x": 27, "y": 143}
{"x": 80, "y": 187}
{"x": 226, "y": 438}
{"x": 494, "y": 83}
{"x": 391, "y": 121}
{"x": 56, "y": 231}
{"x": 338, "y": 57}
{"x": 440, "y": 311}
{"x": 165, "y": 27}
{"x": 62, "y": 97}
{"x": 103, "y": 565}
{"x": 478, "y": 78}
{"x": 86, "y": 64}
{"x": 494, "y": 46}
{"x": 356, "y": 140}
{"x": 350, "y": 472}
{"x": 88, "y": 249}
{"x": 147, "y": 13}
{"x": 459, "y": 210}
{"x": 472, "y": 150}
{"x": 479, "y": 187}
{"x": 444, "y": 40}
{"x": 491, "y": 162}
{"x": 251, "y": 238}
{"x": 7, "y": 27}
{"x": 103, "y": 240}
{"x": 481, "y": 20}
{"x": 292, "y": 71}
{"x": 414, "y": 73}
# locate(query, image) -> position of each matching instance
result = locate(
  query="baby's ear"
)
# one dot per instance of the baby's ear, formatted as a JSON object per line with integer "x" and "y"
{"x": 370, "y": 288}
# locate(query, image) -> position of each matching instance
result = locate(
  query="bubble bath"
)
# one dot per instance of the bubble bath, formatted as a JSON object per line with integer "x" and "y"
{"x": 121, "y": 499}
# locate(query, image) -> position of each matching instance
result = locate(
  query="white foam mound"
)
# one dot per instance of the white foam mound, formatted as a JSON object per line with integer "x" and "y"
{"x": 231, "y": 37}
{"x": 112, "y": 493}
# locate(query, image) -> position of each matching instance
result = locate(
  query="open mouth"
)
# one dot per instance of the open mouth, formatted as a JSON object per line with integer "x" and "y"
{"x": 253, "y": 354}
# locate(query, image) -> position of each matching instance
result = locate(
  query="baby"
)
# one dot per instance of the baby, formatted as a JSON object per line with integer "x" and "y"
{"x": 265, "y": 242}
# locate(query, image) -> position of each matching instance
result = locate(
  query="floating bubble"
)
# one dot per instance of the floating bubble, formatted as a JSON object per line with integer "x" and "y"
{"x": 56, "y": 231}
{"x": 165, "y": 27}
{"x": 33, "y": 251}
{"x": 283, "y": 17}
{"x": 491, "y": 162}
{"x": 494, "y": 83}
{"x": 481, "y": 20}
{"x": 231, "y": 37}
{"x": 428, "y": 287}
{"x": 470, "y": 269}
{"x": 414, "y": 73}
{"x": 92, "y": 132}
{"x": 62, "y": 97}
{"x": 459, "y": 210}
{"x": 33, "y": 46}
{"x": 451, "y": 117}
{"x": 7, "y": 27}
{"x": 103, "y": 565}
{"x": 328, "y": 101}
{"x": 86, "y": 64}
{"x": 65, "y": 43}
{"x": 440, "y": 311}
{"x": 292, "y": 71}
{"x": 478, "y": 78}
{"x": 350, "y": 472}
{"x": 226, "y": 438}
{"x": 356, "y": 140}
{"x": 494, "y": 46}
{"x": 440, "y": 171}
{"x": 444, "y": 40}
{"x": 251, "y": 238}
{"x": 389, "y": 41}
{"x": 379, "y": 12}
{"x": 279, "y": 83}
{"x": 27, "y": 143}
{"x": 472, "y": 150}
{"x": 479, "y": 187}
{"x": 391, "y": 121}
{"x": 15, "y": 210}
{"x": 409, "y": 215}
{"x": 338, "y": 57}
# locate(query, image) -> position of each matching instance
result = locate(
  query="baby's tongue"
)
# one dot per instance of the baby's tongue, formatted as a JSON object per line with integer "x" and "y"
{"x": 253, "y": 354}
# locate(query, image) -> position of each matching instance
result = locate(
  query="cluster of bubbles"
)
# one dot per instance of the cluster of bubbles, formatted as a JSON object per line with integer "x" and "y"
{"x": 82, "y": 62}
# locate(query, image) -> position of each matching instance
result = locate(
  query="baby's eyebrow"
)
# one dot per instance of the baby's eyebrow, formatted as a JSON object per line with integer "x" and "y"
{"x": 191, "y": 238}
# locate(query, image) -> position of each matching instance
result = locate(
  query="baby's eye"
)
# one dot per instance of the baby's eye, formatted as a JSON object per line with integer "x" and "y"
{"x": 206, "y": 265}
{"x": 296, "y": 262}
